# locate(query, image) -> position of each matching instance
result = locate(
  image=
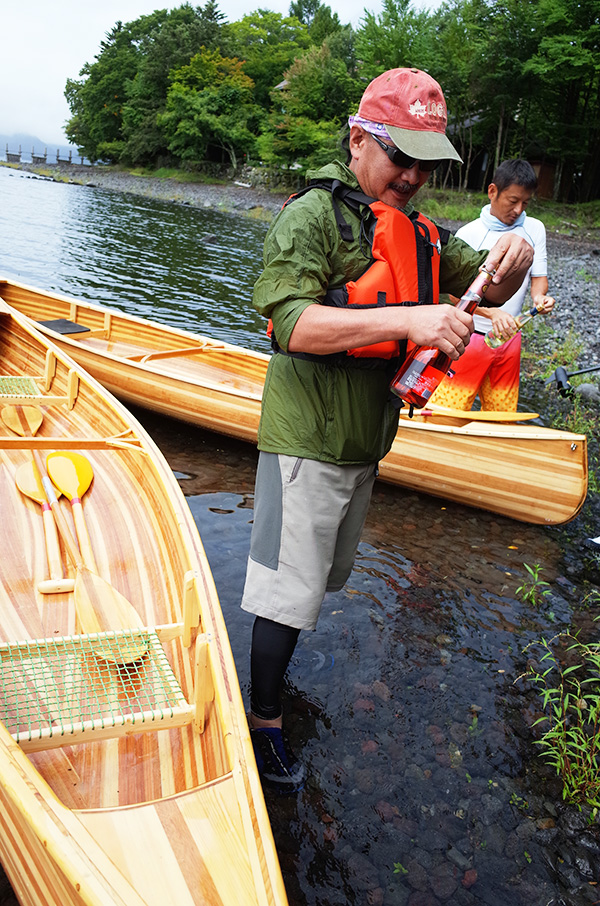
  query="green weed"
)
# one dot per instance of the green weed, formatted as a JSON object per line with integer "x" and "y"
{"x": 589, "y": 278}
{"x": 534, "y": 589}
{"x": 519, "y": 802}
{"x": 570, "y": 694}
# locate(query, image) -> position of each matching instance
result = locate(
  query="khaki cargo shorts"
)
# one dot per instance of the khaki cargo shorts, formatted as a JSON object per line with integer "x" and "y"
{"x": 308, "y": 518}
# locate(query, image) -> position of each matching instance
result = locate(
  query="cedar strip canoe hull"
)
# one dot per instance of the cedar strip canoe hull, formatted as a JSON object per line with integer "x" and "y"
{"x": 126, "y": 813}
{"x": 528, "y": 473}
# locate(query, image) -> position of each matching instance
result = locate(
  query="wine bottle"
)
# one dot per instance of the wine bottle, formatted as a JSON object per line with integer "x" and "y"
{"x": 426, "y": 366}
{"x": 521, "y": 320}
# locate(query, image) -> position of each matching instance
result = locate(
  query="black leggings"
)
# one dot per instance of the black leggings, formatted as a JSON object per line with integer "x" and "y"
{"x": 272, "y": 647}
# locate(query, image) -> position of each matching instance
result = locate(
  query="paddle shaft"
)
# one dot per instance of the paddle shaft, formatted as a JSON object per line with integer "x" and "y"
{"x": 25, "y": 422}
{"x": 61, "y": 523}
{"x": 55, "y": 567}
{"x": 85, "y": 545}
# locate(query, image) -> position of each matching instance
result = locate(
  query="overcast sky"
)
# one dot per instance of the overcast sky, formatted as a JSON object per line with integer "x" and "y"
{"x": 45, "y": 42}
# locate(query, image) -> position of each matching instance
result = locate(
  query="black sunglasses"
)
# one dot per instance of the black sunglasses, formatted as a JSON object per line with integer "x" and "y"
{"x": 400, "y": 159}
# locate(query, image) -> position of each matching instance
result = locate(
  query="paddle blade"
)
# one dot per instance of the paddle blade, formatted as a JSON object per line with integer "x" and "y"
{"x": 72, "y": 473}
{"x": 29, "y": 482}
{"x": 23, "y": 420}
{"x": 472, "y": 415}
{"x": 101, "y": 608}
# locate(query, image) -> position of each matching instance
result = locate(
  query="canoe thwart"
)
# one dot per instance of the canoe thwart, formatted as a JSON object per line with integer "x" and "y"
{"x": 166, "y": 353}
{"x": 116, "y": 442}
{"x": 61, "y": 691}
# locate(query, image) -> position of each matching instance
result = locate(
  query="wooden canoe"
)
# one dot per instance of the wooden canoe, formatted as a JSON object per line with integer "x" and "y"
{"x": 530, "y": 473}
{"x": 126, "y": 779}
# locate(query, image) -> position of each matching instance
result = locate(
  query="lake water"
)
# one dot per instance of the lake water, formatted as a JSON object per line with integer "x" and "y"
{"x": 425, "y": 786}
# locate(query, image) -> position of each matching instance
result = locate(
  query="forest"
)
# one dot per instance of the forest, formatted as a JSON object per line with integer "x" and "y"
{"x": 185, "y": 88}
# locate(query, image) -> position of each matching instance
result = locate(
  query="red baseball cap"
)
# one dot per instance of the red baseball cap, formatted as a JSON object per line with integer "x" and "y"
{"x": 412, "y": 107}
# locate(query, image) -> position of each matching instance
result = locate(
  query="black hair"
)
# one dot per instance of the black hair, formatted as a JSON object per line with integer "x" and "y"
{"x": 345, "y": 146}
{"x": 515, "y": 172}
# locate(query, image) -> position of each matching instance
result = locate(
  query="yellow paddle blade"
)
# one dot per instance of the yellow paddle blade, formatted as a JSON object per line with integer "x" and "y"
{"x": 101, "y": 608}
{"x": 23, "y": 420}
{"x": 72, "y": 473}
{"x": 29, "y": 482}
{"x": 472, "y": 415}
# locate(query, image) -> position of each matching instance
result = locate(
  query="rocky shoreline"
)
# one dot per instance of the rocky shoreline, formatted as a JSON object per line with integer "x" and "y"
{"x": 233, "y": 197}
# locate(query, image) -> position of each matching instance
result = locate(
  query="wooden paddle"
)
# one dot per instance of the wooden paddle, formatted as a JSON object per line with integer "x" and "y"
{"x": 474, "y": 416}
{"x": 22, "y": 420}
{"x": 99, "y": 606}
{"x": 25, "y": 421}
{"x": 72, "y": 474}
{"x": 29, "y": 482}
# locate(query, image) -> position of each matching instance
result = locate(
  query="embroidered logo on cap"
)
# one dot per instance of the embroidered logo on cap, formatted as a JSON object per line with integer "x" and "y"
{"x": 433, "y": 108}
{"x": 417, "y": 109}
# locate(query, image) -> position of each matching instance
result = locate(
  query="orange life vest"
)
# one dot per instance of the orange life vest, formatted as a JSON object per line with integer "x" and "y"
{"x": 404, "y": 270}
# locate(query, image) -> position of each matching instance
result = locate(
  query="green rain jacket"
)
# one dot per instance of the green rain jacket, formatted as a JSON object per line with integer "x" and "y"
{"x": 336, "y": 413}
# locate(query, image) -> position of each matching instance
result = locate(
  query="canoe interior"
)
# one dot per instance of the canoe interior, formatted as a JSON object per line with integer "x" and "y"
{"x": 525, "y": 472}
{"x": 178, "y": 770}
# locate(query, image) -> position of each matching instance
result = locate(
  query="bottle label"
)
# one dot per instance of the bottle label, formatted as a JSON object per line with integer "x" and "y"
{"x": 423, "y": 384}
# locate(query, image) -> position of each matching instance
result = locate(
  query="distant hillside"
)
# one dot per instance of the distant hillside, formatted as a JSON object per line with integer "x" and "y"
{"x": 28, "y": 142}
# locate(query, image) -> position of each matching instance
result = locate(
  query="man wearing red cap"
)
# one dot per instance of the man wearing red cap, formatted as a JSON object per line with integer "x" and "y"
{"x": 352, "y": 272}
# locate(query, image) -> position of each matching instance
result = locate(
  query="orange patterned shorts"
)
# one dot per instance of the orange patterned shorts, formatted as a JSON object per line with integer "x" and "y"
{"x": 491, "y": 373}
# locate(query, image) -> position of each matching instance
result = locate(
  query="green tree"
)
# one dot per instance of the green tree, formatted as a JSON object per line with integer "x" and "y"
{"x": 96, "y": 100}
{"x": 318, "y": 18}
{"x": 509, "y": 91}
{"x": 268, "y": 43}
{"x": 182, "y": 33}
{"x": 314, "y": 102}
{"x": 342, "y": 45}
{"x": 456, "y": 57}
{"x": 398, "y": 36}
{"x": 210, "y": 105}
{"x": 298, "y": 142}
{"x": 566, "y": 111}
{"x": 319, "y": 86}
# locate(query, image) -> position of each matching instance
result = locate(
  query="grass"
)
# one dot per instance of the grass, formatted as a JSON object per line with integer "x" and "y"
{"x": 567, "y": 679}
{"x": 184, "y": 176}
{"x": 447, "y": 204}
{"x": 534, "y": 589}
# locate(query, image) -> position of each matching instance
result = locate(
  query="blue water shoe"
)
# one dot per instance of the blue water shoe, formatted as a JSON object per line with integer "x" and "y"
{"x": 277, "y": 765}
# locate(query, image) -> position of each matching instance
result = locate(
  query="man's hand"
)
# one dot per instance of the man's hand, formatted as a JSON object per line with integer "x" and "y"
{"x": 510, "y": 256}
{"x": 503, "y": 324}
{"x": 442, "y": 326}
{"x": 544, "y": 303}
